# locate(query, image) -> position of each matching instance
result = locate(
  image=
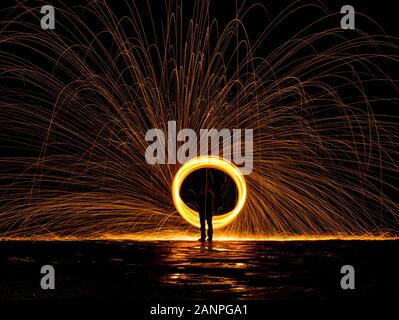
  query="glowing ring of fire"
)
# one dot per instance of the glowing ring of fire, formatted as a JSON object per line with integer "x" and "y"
{"x": 201, "y": 162}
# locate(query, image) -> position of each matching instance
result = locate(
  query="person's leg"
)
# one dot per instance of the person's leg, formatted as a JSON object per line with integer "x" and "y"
{"x": 210, "y": 228}
{"x": 202, "y": 221}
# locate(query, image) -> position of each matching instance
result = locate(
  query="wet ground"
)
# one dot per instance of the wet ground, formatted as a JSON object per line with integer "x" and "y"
{"x": 184, "y": 270}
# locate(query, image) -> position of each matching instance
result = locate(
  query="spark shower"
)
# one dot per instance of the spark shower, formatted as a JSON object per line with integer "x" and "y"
{"x": 76, "y": 102}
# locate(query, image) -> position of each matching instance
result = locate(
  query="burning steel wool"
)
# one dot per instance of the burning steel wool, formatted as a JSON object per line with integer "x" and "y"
{"x": 77, "y": 101}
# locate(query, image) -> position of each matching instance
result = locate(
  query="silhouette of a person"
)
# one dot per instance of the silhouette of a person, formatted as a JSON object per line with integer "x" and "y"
{"x": 206, "y": 207}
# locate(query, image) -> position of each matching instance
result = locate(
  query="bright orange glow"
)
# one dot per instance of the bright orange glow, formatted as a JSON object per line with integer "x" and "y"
{"x": 202, "y": 162}
{"x": 189, "y": 236}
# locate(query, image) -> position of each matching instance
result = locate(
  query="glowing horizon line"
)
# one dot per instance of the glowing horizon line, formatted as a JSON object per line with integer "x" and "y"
{"x": 193, "y": 237}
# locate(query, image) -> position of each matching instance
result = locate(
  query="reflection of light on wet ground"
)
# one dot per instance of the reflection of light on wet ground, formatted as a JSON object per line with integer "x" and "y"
{"x": 216, "y": 268}
{"x": 189, "y": 270}
{"x": 212, "y": 284}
